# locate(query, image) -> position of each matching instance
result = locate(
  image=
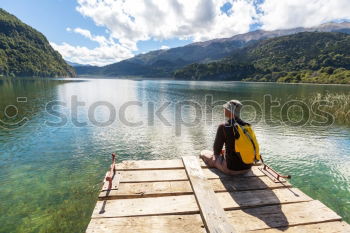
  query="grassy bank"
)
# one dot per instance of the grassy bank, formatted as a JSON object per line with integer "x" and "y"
{"x": 336, "y": 104}
{"x": 325, "y": 75}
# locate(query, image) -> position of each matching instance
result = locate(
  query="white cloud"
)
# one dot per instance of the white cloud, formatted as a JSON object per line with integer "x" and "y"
{"x": 107, "y": 52}
{"x": 164, "y": 47}
{"x": 83, "y": 32}
{"x": 131, "y": 21}
{"x": 102, "y": 55}
{"x": 99, "y": 39}
{"x": 278, "y": 14}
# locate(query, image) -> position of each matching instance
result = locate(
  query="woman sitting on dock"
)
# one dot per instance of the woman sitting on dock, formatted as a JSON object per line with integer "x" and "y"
{"x": 228, "y": 160}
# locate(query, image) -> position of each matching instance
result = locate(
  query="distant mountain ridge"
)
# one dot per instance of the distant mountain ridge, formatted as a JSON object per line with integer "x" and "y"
{"x": 26, "y": 52}
{"x": 162, "y": 63}
{"x": 343, "y": 27}
{"x": 314, "y": 57}
{"x": 73, "y": 64}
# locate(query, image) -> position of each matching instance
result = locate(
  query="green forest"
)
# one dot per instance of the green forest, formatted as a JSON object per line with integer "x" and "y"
{"x": 312, "y": 57}
{"x": 26, "y": 52}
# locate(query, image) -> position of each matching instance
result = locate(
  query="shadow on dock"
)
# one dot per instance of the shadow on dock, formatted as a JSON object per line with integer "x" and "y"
{"x": 251, "y": 201}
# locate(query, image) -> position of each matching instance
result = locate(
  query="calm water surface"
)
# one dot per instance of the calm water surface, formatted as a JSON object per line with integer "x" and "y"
{"x": 50, "y": 175}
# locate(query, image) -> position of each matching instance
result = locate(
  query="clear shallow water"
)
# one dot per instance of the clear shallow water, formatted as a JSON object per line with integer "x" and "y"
{"x": 50, "y": 176}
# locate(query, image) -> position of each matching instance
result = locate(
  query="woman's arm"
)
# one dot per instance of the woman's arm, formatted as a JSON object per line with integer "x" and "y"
{"x": 219, "y": 140}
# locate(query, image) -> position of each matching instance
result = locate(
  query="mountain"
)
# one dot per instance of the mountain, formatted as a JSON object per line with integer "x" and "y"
{"x": 162, "y": 63}
{"x": 263, "y": 35}
{"x": 26, "y": 52}
{"x": 322, "y": 57}
{"x": 73, "y": 64}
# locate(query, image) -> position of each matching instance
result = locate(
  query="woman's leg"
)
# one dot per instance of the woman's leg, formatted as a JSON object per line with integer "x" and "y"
{"x": 208, "y": 158}
{"x": 219, "y": 162}
{"x": 211, "y": 160}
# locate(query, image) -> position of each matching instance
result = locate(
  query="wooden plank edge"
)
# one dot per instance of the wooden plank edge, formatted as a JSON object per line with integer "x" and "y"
{"x": 299, "y": 224}
{"x": 134, "y": 165}
{"x": 225, "y": 209}
{"x": 134, "y": 196}
{"x": 319, "y": 227}
{"x": 145, "y": 206}
{"x": 155, "y": 224}
{"x": 105, "y": 194}
{"x": 213, "y": 215}
{"x": 190, "y": 212}
{"x": 147, "y": 169}
{"x": 263, "y": 205}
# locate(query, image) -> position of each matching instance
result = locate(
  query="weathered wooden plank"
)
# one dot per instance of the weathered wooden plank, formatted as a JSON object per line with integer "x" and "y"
{"x": 150, "y": 224}
{"x": 130, "y": 165}
{"x": 244, "y": 199}
{"x": 176, "y": 174}
{"x": 277, "y": 216}
{"x": 154, "y": 189}
{"x": 212, "y": 213}
{"x": 149, "y": 165}
{"x": 193, "y": 224}
{"x": 327, "y": 227}
{"x": 237, "y": 183}
{"x": 148, "y": 189}
{"x": 185, "y": 204}
{"x": 213, "y": 173}
{"x": 281, "y": 216}
{"x": 136, "y": 176}
{"x": 267, "y": 219}
{"x": 152, "y": 175}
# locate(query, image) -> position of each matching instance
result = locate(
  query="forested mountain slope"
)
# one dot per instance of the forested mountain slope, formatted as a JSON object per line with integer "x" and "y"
{"x": 26, "y": 52}
{"x": 303, "y": 57}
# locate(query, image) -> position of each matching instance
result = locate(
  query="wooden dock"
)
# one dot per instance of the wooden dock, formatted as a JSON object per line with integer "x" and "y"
{"x": 185, "y": 196}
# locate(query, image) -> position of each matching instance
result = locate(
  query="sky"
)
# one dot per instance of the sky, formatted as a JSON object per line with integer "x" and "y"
{"x": 101, "y": 32}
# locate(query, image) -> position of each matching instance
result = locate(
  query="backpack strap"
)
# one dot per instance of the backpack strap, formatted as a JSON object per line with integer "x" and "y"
{"x": 235, "y": 130}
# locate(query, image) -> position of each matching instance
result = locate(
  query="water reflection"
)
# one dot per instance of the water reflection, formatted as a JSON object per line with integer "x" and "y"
{"x": 62, "y": 166}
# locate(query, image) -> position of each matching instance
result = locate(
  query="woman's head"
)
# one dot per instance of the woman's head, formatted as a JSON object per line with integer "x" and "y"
{"x": 232, "y": 109}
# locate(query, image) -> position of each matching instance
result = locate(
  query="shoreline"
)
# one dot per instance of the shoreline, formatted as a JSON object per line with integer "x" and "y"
{"x": 139, "y": 78}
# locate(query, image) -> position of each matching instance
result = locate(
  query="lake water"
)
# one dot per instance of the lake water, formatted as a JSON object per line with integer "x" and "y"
{"x": 56, "y": 140}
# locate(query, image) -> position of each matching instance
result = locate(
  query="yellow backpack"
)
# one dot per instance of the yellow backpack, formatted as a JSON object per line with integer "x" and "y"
{"x": 246, "y": 144}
